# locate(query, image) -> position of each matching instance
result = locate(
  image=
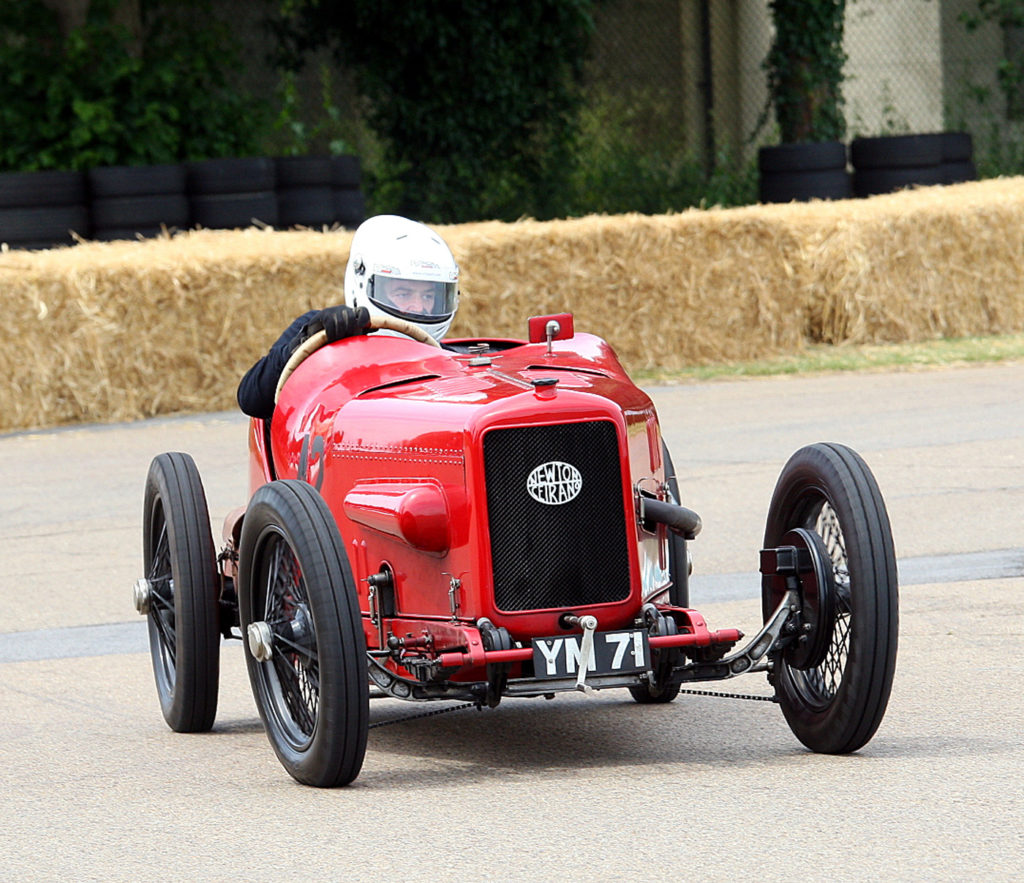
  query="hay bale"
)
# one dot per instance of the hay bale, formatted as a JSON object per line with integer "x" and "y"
{"x": 119, "y": 331}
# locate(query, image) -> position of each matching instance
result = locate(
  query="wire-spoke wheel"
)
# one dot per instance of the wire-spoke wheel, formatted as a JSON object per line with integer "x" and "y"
{"x": 836, "y": 706}
{"x": 305, "y": 648}
{"x": 181, "y": 578}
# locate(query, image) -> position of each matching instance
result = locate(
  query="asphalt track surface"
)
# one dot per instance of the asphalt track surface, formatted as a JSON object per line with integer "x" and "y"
{"x": 95, "y": 787}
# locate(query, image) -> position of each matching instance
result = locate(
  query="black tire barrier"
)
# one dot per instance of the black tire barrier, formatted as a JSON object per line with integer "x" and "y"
{"x": 346, "y": 172}
{"x": 305, "y": 207}
{"x": 958, "y": 157}
{"x": 127, "y": 212}
{"x": 128, "y": 202}
{"x": 38, "y": 189}
{"x": 231, "y": 175}
{"x": 233, "y": 192}
{"x": 228, "y": 211}
{"x": 110, "y": 182}
{"x": 133, "y": 233}
{"x": 957, "y": 147}
{"x": 133, "y": 201}
{"x": 957, "y": 172}
{"x": 43, "y": 209}
{"x": 304, "y": 191}
{"x": 34, "y": 227}
{"x": 804, "y": 186}
{"x": 803, "y": 171}
{"x": 303, "y": 171}
{"x": 802, "y": 157}
{"x": 896, "y": 152}
{"x": 349, "y": 199}
{"x": 869, "y": 182}
{"x": 893, "y": 162}
{"x": 349, "y": 208}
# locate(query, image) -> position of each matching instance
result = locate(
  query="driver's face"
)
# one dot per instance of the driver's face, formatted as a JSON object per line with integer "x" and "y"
{"x": 410, "y": 296}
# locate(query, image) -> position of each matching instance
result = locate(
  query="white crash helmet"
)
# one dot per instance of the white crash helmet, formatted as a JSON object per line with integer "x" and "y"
{"x": 402, "y": 268}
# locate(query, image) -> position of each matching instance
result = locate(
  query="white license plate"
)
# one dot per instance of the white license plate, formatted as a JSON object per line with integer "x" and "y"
{"x": 614, "y": 653}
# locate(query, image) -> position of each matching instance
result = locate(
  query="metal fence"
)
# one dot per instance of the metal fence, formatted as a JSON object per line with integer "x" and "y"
{"x": 689, "y": 73}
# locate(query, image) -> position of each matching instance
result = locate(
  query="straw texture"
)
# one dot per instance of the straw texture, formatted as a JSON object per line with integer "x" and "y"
{"x": 121, "y": 331}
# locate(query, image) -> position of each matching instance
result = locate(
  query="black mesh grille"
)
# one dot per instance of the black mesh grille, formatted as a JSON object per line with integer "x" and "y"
{"x": 566, "y": 555}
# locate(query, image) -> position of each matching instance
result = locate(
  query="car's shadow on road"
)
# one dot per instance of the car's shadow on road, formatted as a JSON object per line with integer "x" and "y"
{"x": 411, "y": 745}
{"x": 558, "y": 738}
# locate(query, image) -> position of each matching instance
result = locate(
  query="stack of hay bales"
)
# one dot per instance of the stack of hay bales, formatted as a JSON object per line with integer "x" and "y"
{"x": 120, "y": 331}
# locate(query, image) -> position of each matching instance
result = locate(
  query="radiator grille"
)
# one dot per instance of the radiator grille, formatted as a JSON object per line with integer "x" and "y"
{"x": 552, "y": 556}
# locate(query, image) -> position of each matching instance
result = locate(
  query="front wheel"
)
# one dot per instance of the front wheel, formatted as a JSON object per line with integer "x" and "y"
{"x": 306, "y": 652}
{"x": 835, "y": 707}
{"x": 179, "y": 593}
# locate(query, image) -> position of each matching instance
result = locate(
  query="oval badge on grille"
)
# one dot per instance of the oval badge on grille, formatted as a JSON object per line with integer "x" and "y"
{"x": 554, "y": 483}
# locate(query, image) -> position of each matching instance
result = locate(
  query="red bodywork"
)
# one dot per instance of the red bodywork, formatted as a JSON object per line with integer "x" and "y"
{"x": 391, "y": 432}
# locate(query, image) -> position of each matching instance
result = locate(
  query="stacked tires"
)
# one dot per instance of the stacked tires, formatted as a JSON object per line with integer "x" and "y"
{"x": 305, "y": 197}
{"x": 958, "y": 158}
{"x": 346, "y": 186}
{"x": 319, "y": 191}
{"x": 129, "y": 202}
{"x": 892, "y": 162}
{"x": 42, "y": 209}
{"x": 804, "y": 171}
{"x": 233, "y": 192}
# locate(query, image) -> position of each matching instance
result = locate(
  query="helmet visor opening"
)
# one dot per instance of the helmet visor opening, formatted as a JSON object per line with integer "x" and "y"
{"x": 419, "y": 300}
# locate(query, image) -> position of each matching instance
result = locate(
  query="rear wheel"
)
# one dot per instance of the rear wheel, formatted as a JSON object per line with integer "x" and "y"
{"x": 836, "y": 706}
{"x": 180, "y": 593}
{"x": 306, "y": 652}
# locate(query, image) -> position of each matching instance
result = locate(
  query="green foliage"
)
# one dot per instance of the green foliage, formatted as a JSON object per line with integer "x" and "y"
{"x": 1009, "y": 15}
{"x": 997, "y": 129}
{"x": 98, "y": 98}
{"x": 475, "y": 101}
{"x": 300, "y": 129}
{"x": 805, "y": 69}
{"x": 621, "y": 166}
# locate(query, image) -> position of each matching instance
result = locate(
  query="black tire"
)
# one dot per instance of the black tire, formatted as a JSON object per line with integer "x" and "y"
{"x": 836, "y": 707}
{"x": 28, "y": 245}
{"x": 40, "y": 189}
{"x": 958, "y": 171}
{"x": 113, "y": 182}
{"x": 305, "y": 206}
{"x": 803, "y": 186}
{"x": 145, "y": 211}
{"x": 802, "y": 157}
{"x": 896, "y": 151}
{"x": 957, "y": 147}
{"x": 303, "y": 171}
{"x": 231, "y": 175}
{"x": 233, "y": 210}
{"x": 645, "y": 694}
{"x": 53, "y": 224}
{"x": 869, "y": 182}
{"x": 346, "y": 172}
{"x": 115, "y": 234}
{"x": 294, "y": 576}
{"x": 349, "y": 208}
{"x": 184, "y": 634}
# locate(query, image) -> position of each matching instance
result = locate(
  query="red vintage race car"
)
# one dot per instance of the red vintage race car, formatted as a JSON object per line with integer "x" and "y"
{"x": 492, "y": 519}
